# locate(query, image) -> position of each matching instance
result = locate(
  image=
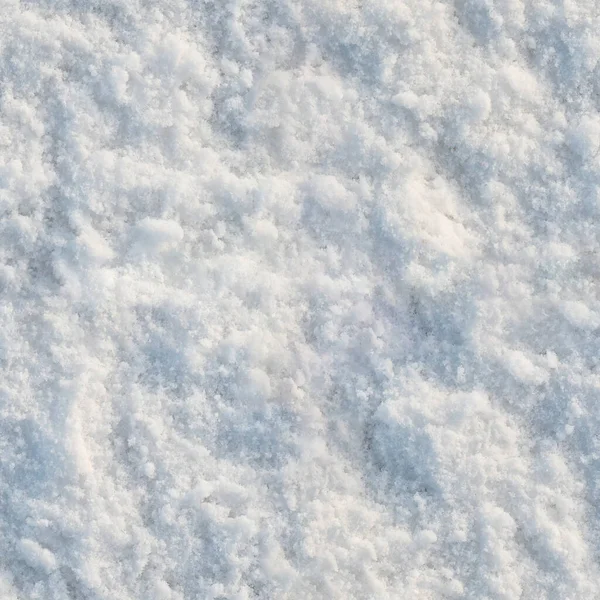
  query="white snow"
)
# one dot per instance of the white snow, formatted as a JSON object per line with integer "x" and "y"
{"x": 300, "y": 299}
{"x": 36, "y": 556}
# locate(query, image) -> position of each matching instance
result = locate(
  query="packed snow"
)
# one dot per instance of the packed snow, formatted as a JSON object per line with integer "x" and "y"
{"x": 300, "y": 299}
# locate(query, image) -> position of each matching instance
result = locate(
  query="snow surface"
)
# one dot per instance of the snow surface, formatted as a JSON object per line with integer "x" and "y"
{"x": 300, "y": 299}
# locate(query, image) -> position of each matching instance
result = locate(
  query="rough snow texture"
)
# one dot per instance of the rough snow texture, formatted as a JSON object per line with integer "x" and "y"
{"x": 300, "y": 299}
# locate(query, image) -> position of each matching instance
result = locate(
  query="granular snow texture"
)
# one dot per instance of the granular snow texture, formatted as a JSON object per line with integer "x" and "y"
{"x": 300, "y": 299}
